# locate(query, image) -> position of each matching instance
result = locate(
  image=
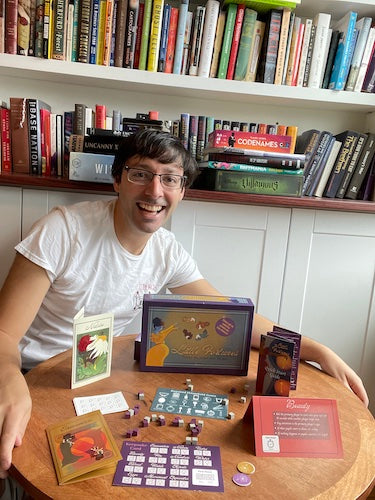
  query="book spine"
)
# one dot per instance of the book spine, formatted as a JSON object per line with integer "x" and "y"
{"x": 45, "y": 127}
{"x": 297, "y": 57}
{"x": 319, "y": 168}
{"x": 187, "y": 45}
{"x": 38, "y": 45}
{"x": 256, "y": 45}
{"x": 100, "y": 116}
{"x": 235, "y": 41}
{"x": 197, "y": 40}
{"x": 184, "y": 129}
{"x": 309, "y": 56}
{"x": 5, "y": 140}
{"x": 79, "y": 119}
{"x": 94, "y": 31}
{"x": 77, "y": 8}
{"x": 145, "y": 35}
{"x": 34, "y": 137}
{"x": 281, "y": 52}
{"x": 69, "y": 31}
{"x": 120, "y": 33}
{"x": 59, "y": 30}
{"x": 113, "y": 33}
{"x": 19, "y": 135}
{"x": 318, "y": 192}
{"x": 351, "y": 166}
{"x": 245, "y": 44}
{"x": 317, "y": 66}
{"x": 171, "y": 40}
{"x": 292, "y": 60}
{"x": 31, "y": 49}
{"x": 365, "y": 60}
{"x": 59, "y": 145}
{"x": 330, "y": 58}
{"x": 11, "y": 7}
{"x": 304, "y": 50}
{"x": 101, "y": 32}
{"x": 23, "y": 27}
{"x": 340, "y": 65}
{"x": 46, "y": 24}
{"x": 164, "y": 38}
{"x": 227, "y": 41}
{"x": 108, "y": 32}
{"x": 361, "y": 168}
{"x": 131, "y": 33}
{"x": 180, "y": 35}
{"x": 138, "y": 38}
{"x": 288, "y": 45}
{"x": 155, "y": 34}
{"x": 341, "y": 164}
{"x": 261, "y": 169}
{"x": 219, "y": 34}
{"x": 324, "y": 140}
{"x": 365, "y": 26}
{"x": 193, "y": 135}
{"x": 53, "y": 152}
{"x": 201, "y": 139}
{"x": 369, "y": 81}
{"x": 267, "y": 75}
{"x": 84, "y": 32}
{"x": 208, "y": 37}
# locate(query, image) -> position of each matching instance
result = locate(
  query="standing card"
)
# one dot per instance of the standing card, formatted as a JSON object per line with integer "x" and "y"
{"x": 296, "y": 337}
{"x": 296, "y": 427}
{"x": 274, "y": 366}
{"x": 161, "y": 465}
{"x": 195, "y": 404}
{"x": 92, "y": 348}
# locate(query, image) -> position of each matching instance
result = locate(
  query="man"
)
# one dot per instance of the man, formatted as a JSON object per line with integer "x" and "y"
{"x": 105, "y": 255}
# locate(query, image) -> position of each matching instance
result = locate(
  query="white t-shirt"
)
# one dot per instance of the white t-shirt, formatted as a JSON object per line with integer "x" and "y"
{"x": 88, "y": 267}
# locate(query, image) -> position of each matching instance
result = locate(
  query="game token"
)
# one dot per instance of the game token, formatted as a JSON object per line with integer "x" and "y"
{"x": 246, "y": 467}
{"x": 241, "y": 479}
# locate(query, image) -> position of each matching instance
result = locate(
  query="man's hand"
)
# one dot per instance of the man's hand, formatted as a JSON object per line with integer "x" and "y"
{"x": 15, "y": 410}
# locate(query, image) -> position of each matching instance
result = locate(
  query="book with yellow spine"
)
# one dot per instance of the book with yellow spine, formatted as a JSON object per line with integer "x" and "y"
{"x": 155, "y": 34}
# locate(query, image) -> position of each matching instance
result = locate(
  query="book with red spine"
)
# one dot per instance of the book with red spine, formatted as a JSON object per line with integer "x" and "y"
{"x": 235, "y": 41}
{"x": 138, "y": 38}
{"x": 173, "y": 21}
{"x": 6, "y": 157}
{"x": 45, "y": 125}
{"x": 100, "y": 115}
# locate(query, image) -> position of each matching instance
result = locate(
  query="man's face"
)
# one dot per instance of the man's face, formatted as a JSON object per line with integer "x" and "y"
{"x": 145, "y": 208}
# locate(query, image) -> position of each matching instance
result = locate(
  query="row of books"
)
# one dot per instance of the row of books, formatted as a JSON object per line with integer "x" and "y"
{"x": 228, "y": 42}
{"x": 324, "y": 165}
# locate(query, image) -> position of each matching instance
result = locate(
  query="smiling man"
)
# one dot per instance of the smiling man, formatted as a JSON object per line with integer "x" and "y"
{"x": 105, "y": 255}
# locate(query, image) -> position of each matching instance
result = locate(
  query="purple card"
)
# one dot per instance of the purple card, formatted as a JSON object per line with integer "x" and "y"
{"x": 162, "y": 465}
{"x": 296, "y": 337}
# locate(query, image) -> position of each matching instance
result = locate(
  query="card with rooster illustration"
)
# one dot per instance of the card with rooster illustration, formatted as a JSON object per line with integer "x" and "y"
{"x": 92, "y": 348}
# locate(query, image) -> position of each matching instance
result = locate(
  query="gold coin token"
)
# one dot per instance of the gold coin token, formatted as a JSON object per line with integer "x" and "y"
{"x": 246, "y": 467}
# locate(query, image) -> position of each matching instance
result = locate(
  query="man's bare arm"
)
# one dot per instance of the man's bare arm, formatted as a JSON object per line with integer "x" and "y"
{"x": 20, "y": 299}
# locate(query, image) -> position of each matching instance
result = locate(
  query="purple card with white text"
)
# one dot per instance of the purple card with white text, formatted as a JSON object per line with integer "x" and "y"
{"x": 163, "y": 465}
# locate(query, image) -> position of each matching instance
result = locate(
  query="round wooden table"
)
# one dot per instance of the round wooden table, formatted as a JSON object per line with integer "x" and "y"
{"x": 280, "y": 478}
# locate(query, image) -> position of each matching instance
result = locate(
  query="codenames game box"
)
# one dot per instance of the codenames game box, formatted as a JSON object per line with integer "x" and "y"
{"x": 250, "y": 140}
{"x": 196, "y": 334}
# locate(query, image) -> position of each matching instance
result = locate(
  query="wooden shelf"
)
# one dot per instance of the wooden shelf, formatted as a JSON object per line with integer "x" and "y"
{"x": 182, "y": 85}
{"x": 59, "y": 184}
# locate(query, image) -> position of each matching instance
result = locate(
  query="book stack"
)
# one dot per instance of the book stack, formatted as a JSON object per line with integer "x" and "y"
{"x": 261, "y": 40}
{"x": 338, "y": 166}
{"x": 252, "y": 163}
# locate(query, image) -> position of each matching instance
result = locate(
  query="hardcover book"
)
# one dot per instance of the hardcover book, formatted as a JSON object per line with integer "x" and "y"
{"x": 346, "y": 26}
{"x": 235, "y": 41}
{"x": 255, "y": 49}
{"x": 180, "y": 35}
{"x": 351, "y": 166}
{"x": 363, "y": 27}
{"x": 247, "y": 34}
{"x": 82, "y": 447}
{"x": 321, "y": 22}
{"x": 219, "y": 34}
{"x": 227, "y": 41}
{"x": 208, "y": 37}
{"x": 361, "y": 169}
{"x": 19, "y": 131}
{"x": 268, "y": 57}
{"x": 196, "y": 334}
{"x": 250, "y": 140}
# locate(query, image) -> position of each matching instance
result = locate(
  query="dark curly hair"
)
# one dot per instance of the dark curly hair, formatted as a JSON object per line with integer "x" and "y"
{"x": 157, "y": 145}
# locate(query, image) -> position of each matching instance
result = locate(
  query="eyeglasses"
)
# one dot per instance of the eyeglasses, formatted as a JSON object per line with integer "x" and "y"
{"x": 144, "y": 177}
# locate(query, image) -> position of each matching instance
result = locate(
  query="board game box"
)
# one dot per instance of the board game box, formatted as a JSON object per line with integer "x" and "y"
{"x": 250, "y": 140}
{"x": 196, "y": 334}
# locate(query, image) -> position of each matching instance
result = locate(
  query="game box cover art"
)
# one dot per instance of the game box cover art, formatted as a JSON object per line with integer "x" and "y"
{"x": 201, "y": 334}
